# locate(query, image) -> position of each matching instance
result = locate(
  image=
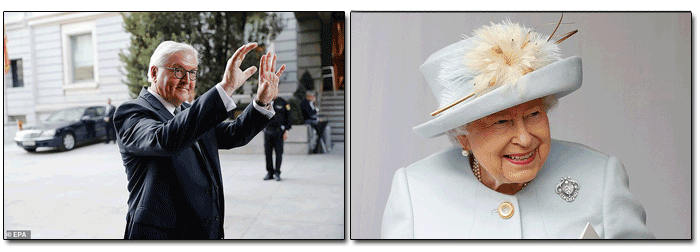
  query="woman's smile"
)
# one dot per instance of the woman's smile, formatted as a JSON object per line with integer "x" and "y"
{"x": 521, "y": 158}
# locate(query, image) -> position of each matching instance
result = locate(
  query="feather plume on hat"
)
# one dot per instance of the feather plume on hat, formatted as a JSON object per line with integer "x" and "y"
{"x": 495, "y": 55}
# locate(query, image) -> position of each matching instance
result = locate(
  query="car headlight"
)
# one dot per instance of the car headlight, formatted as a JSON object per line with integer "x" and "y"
{"x": 48, "y": 133}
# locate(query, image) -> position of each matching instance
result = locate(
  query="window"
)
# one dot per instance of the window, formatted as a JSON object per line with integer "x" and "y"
{"x": 79, "y": 56}
{"x": 15, "y": 118}
{"x": 15, "y": 77}
{"x": 82, "y": 57}
{"x": 95, "y": 111}
{"x": 90, "y": 112}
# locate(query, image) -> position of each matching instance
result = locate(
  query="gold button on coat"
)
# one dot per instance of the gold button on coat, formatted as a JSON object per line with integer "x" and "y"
{"x": 506, "y": 210}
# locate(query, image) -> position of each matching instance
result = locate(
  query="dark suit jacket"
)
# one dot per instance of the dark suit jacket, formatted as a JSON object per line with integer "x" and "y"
{"x": 173, "y": 194}
{"x": 282, "y": 116}
{"x": 308, "y": 112}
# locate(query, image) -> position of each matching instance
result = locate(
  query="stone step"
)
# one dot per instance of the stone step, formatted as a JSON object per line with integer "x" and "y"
{"x": 333, "y": 98}
{"x": 330, "y": 92}
{"x": 335, "y": 123}
{"x": 332, "y": 104}
{"x": 332, "y": 110}
{"x": 337, "y": 116}
{"x": 331, "y": 113}
{"x": 333, "y": 119}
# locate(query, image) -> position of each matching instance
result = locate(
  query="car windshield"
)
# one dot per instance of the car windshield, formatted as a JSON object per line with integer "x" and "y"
{"x": 71, "y": 114}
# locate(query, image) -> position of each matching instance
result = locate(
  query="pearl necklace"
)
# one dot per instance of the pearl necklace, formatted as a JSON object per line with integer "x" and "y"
{"x": 477, "y": 172}
{"x": 475, "y": 169}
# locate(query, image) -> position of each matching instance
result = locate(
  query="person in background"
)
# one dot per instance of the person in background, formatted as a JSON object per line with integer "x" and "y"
{"x": 109, "y": 113}
{"x": 310, "y": 113}
{"x": 275, "y": 135}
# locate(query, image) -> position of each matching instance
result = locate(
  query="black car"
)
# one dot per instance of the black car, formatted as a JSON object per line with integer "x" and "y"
{"x": 64, "y": 129}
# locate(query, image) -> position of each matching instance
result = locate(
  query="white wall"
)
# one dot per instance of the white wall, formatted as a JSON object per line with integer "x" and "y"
{"x": 49, "y": 66}
{"x": 634, "y": 103}
{"x": 20, "y": 99}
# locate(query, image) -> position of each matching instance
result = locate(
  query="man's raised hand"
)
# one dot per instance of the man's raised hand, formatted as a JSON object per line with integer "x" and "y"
{"x": 234, "y": 77}
{"x": 268, "y": 80}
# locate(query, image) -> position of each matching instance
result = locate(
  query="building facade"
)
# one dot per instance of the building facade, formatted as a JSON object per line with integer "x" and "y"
{"x": 60, "y": 60}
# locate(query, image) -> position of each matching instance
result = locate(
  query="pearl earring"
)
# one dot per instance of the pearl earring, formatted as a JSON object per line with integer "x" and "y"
{"x": 465, "y": 153}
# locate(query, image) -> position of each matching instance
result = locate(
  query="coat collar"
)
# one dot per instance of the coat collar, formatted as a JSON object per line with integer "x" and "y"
{"x": 155, "y": 103}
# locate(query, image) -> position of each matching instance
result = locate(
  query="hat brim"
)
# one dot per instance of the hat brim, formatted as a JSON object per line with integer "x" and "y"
{"x": 559, "y": 79}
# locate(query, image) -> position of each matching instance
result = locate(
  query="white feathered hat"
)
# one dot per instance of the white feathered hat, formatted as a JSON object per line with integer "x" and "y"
{"x": 500, "y": 66}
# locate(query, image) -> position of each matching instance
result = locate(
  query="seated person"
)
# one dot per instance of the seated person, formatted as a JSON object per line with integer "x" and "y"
{"x": 310, "y": 113}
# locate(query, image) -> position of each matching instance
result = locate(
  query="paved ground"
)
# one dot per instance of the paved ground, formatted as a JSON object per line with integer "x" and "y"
{"x": 81, "y": 194}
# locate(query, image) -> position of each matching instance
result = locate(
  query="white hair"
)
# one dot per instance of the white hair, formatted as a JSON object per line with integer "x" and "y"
{"x": 164, "y": 50}
{"x": 549, "y": 103}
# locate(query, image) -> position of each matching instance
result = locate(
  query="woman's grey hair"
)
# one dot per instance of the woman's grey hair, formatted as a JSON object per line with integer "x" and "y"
{"x": 549, "y": 101}
{"x": 164, "y": 50}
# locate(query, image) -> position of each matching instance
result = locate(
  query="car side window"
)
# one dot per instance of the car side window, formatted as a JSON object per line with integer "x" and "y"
{"x": 92, "y": 112}
{"x": 100, "y": 111}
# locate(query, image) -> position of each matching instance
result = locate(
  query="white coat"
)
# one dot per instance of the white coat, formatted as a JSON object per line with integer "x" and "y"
{"x": 440, "y": 198}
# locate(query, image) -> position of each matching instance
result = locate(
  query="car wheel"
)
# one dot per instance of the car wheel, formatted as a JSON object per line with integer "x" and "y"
{"x": 67, "y": 142}
{"x": 30, "y": 149}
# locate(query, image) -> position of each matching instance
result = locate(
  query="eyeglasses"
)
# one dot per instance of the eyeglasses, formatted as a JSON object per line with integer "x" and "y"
{"x": 180, "y": 73}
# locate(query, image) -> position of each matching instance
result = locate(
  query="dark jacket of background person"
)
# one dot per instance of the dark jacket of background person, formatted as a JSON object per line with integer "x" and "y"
{"x": 110, "y": 123}
{"x": 282, "y": 119}
{"x": 172, "y": 193}
{"x": 307, "y": 111}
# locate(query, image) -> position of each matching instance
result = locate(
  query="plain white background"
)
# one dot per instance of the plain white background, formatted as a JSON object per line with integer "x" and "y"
{"x": 634, "y": 103}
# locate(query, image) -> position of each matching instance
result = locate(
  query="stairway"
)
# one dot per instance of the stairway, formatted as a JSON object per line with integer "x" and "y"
{"x": 332, "y": 109}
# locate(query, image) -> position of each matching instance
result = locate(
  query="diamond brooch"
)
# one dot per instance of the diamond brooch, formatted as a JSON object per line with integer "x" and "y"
{"x": 567, "y": 189}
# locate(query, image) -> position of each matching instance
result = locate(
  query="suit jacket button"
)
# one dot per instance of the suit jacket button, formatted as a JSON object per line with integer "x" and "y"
{"x": 216, "y": 218}
{"x": 208, "y": 190}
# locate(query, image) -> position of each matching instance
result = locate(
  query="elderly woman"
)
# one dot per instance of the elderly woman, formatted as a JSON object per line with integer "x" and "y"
{"x": 508, "y": 179}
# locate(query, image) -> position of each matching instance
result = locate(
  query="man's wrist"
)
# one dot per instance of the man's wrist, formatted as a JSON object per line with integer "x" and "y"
{"x": 227, "y": 88}
{"x": 265, "y": 110}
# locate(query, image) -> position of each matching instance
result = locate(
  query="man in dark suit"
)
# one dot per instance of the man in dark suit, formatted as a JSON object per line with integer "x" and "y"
{"x": 109, "y": 124}
{"x": 170, "y": 149}
{"x": 275, "y": 134}
{"x": 310, "y": 113}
